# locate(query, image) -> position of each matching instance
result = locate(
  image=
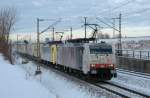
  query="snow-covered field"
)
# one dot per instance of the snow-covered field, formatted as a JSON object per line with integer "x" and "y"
{"x": 133, "y": 82}
{"x": 14, "y": 84}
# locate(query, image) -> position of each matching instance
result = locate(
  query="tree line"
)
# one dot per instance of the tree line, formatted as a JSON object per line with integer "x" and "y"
{"x": 8, "y": 17}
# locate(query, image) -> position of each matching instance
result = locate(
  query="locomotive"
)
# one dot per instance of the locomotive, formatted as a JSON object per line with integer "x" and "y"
{"x": 94, "y": 60}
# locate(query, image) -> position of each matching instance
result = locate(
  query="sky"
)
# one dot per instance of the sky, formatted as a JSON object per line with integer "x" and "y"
{"x": 71, "y": 13}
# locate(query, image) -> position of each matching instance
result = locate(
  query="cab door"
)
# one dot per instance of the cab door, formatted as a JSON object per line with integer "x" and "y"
{"x": 53, "y": 54}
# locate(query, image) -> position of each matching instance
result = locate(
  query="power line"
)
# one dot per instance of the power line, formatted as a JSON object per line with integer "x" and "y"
{"x": 136, "y": 12}
{"x": 117, "y": 7}
{"x": 50, "y": 26}
{"x": 106, "y": 24}
{"x": 122, "y": 5}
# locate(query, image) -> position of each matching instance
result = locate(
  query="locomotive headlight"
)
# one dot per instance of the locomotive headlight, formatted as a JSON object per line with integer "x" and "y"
{"x": 111, "y": 65}
{"x": 92, "y": 65}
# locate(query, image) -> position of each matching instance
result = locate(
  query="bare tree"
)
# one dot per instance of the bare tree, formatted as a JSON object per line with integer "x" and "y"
{"x": 7, "y": 21}
{"x": 8, "y": 17}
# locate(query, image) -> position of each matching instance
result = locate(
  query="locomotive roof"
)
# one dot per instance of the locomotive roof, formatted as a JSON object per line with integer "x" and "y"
{"x": 102, "y": 45}
{"x": 80, "y": 40}
{"x": 55, "y": 42}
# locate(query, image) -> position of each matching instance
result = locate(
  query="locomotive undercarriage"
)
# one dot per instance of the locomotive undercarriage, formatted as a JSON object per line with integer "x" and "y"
{"x": 102, "y": 73}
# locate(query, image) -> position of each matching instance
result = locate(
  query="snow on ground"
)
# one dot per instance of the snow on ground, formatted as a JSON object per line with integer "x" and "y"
{"x": 13, "y": 83}
{"x": 133, "y": 82}
{"x": 61, "y": 86}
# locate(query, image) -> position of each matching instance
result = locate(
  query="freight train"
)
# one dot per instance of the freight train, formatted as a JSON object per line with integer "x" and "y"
{"x": 93, "y": 60}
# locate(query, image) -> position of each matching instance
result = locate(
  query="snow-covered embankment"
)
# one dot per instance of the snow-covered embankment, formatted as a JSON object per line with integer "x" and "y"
{"x": 13, "y": 83}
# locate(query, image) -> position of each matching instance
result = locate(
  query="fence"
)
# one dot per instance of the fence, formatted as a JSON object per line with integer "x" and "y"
{"x": 138, "y": 54}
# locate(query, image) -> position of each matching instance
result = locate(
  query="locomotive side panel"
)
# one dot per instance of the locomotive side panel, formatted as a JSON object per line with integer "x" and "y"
{"x": 61, "y": 55}
{"x": 22, "y": 48}
{"x": 86, "y": 63}
{"x": 70, "y": 56}
{"x": 34, "y": 49}
{"x": 45, "y": 53}
{"x": 30, "y": 49}
{"x": 79, "y": 57}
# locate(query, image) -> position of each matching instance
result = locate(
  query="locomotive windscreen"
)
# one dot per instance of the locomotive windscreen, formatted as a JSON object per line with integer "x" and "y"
{"x": 100, "y": 49}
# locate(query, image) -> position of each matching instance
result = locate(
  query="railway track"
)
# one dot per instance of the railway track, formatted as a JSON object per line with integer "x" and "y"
{"x": 123, "y": 91}
{"x": 110, "y": 87}
{"x": 138, "y": 74}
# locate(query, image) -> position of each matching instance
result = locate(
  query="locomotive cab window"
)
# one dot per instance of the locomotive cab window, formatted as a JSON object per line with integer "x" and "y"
{"x": 100, "y": 49}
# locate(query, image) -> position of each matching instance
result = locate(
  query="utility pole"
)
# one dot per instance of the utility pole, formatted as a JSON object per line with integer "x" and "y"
{"x": 38, "y": 71}
{"x": 114, "y": 27}
{"x": 71, "y": 33}
{"x": 85, "y": 20}
{"x": 38, "y": 40}
{"x": 17, "y": 43}
{"x": 53, "y": 29}
{"x": 30, "y": 38}
{"x": 120, "y": 36}
{"x": 119, "y": 43}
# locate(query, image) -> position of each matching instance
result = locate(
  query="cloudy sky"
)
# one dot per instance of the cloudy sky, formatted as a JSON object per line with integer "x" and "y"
{"x": 135, "y": 14}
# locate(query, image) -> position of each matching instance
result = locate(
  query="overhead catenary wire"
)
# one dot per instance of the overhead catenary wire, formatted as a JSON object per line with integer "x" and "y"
{"x": 115, "y": 8}
{"x": 136, "y": 12}
{"x": 106, "y": 24}
{"x": 109, "y": 24}
{"x": 124, "y": 4}
{"x": 50, "y": 26}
